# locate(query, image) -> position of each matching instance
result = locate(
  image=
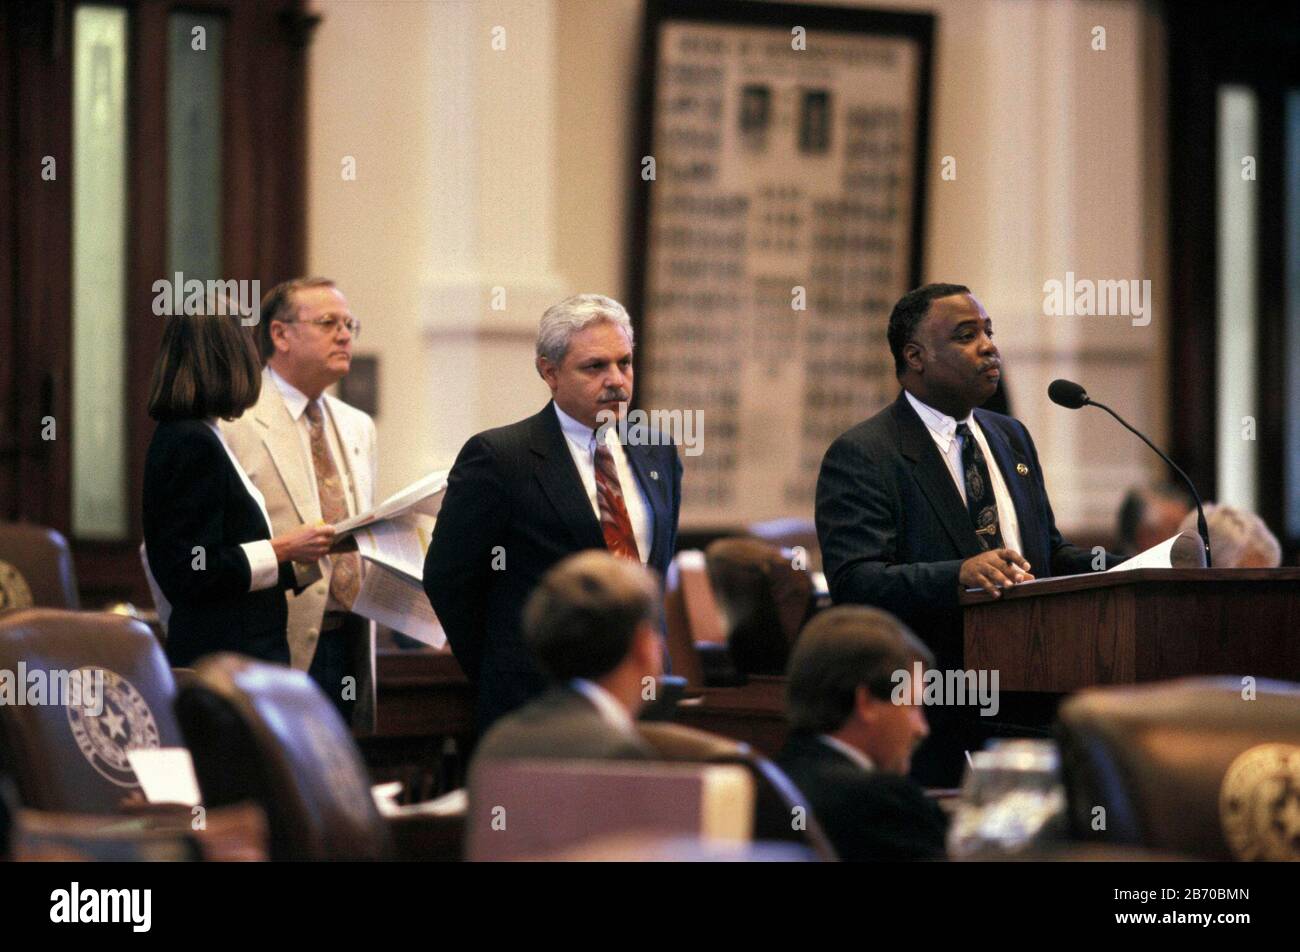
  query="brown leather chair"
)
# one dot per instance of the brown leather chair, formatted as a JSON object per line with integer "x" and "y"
{"x": 266, "y": 733}
{"x": 776, "y": 796}
{"x": 1196, "y": 766}
{"x": 70, "y": 758}
{"x": 764, "y": 599}
{"x": 35, "y": 568}
{"x": 691, "y": 615}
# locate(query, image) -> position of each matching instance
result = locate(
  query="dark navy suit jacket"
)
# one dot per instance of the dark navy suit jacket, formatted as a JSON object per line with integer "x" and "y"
{"x": 894, "y": 530}
{"x": 515, "y": 505}
{"x": 194, "y": 498}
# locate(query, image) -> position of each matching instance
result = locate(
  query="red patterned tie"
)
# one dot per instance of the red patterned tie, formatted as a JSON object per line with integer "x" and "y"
{"x": 614, "y": 520}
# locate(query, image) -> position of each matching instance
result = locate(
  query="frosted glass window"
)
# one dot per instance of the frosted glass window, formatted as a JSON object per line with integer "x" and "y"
{"x": 195, "y": 43}
{"x": 99, "y": 258}
{"x": 1237, "y": 318}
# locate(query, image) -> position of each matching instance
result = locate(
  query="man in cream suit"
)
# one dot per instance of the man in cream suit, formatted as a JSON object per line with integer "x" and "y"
{"x": 313, "y": 457}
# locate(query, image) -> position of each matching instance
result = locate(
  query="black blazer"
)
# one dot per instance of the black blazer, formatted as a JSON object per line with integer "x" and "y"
{"x": 193, "y": 496}
{"x": 867, "y": 815}
{"x": 515, "y": 505}
{"x": 894, "y": 531}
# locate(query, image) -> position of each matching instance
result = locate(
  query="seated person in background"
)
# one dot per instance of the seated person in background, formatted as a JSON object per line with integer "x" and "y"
{"x": 591, "y": 624}
{"x": 1238, "y": 539}
{"x": 850, "y": 745}
{"x": 1150, "y": 515}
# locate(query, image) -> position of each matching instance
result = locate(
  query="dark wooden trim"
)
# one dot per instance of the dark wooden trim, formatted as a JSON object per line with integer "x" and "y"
{"x": 41, "y": 33}
{"x": 1256, "y": 44}
{"x": 1097, "y": 580}
{"x": 9, "y": 184}
{"x": 264, "y": 212}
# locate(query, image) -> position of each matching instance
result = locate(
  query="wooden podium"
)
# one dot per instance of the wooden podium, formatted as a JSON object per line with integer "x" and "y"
{"x": 1061, "y": 634}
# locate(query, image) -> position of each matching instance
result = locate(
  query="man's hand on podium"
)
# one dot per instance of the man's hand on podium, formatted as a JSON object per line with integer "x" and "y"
{"x": 994, "y": 570}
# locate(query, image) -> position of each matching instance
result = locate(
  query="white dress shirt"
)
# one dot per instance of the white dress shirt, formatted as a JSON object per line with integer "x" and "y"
{"x": 296, "y": 402}
{"x": 849, "y": 751}
{"x": 263, "y": 569}
{"x": 582, "y": 446}
{"x": 611, "y": 711}
{"x": 943, "y": 429}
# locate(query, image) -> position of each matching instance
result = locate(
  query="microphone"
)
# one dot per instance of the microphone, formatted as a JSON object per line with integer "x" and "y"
{"x": 1068, "y": 394}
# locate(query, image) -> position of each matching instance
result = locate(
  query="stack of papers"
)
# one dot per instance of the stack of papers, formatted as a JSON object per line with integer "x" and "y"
{"x": 393, "y": 538}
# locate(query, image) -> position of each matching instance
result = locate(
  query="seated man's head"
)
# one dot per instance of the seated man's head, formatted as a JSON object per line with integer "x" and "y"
{"x": 594, "y": 616}
{"x": 1239, "y": 539}
{"x": 841, "y": 680}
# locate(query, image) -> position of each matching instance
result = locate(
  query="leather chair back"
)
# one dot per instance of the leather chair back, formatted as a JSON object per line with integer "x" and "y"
{"x": 35, "y": 568}
{"x": 266, "y": 733}
{"x": 71, "y": 756}
{"x": 775, "y": 795}
{"x": 1206, "y": 767}
{"x": 691, "y": 615}
{"x": 764, "y": 600}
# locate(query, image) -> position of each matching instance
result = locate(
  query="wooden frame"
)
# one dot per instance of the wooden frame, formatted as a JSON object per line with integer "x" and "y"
{"x": 847, "y": 24}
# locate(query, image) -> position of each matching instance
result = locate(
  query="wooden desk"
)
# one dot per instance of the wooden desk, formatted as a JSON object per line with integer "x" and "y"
{"x": 754, "y": 713}
{"x": 1061, "y": 634}
{"x": 424, "y": 722}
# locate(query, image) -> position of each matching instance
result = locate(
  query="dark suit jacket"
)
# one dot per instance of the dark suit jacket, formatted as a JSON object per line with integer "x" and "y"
{"x": 561, "y": 724}
{"x": 193, "y": 496}
{"x": 894, "y": 530}
{"x": 867, "y": 815}
{"x": 515, "y": 505}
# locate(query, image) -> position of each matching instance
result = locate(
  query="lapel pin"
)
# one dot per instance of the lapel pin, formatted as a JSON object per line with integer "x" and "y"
{"x": 1022, "y": 469}
{"x": 654, "y": 474}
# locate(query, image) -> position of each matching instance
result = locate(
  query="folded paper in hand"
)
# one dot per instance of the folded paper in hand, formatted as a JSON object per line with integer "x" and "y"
{"x": 424, "y": 496}
{"x": 393, "y": 538}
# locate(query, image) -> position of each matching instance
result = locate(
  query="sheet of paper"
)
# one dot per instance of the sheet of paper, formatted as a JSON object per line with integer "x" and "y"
{"x": 393, "y": 599}
{"x": 1181, "y": 551}
{"x": 423, "y": 496}
{"x": 166, "y": 775}
{"x": 398, "y": 543}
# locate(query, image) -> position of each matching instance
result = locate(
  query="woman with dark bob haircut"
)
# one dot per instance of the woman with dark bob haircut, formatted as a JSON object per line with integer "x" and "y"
{"x": 206, "y": 532}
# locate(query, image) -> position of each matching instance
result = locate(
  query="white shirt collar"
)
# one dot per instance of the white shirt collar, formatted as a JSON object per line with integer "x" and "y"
{"x": 610, "y": 710}
{"x": 940, "y": 424}
{"x": 579, "y": 434}
{"x": 294, "y": 399}
{"x": 848, "y": 750}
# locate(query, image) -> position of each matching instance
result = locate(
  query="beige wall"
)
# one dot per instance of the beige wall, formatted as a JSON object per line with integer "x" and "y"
{"x": 480, "y": 168}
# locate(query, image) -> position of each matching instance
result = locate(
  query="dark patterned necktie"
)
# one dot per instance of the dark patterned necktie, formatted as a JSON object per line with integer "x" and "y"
{"x": 345, "y": 578}
{"x": 980, "y": 503}
{"x": 615, "y": 523}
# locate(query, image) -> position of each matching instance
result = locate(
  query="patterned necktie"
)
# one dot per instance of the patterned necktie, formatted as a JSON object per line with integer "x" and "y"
{"x": 345, "y": 580}
{"x": 981, "y": 504}
{"x": 615, "y": 523}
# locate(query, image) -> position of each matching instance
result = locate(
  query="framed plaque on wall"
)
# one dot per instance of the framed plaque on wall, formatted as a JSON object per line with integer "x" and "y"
{"x": 778, "y": 215}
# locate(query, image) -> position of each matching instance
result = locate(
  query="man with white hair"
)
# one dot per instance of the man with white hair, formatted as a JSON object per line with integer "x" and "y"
{"x": 522, "y": 497}
{"x": 1239, "y": 539}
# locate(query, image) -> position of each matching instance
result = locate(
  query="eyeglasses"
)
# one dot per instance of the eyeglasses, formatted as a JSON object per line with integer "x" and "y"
{"x": 331, "y": 323}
